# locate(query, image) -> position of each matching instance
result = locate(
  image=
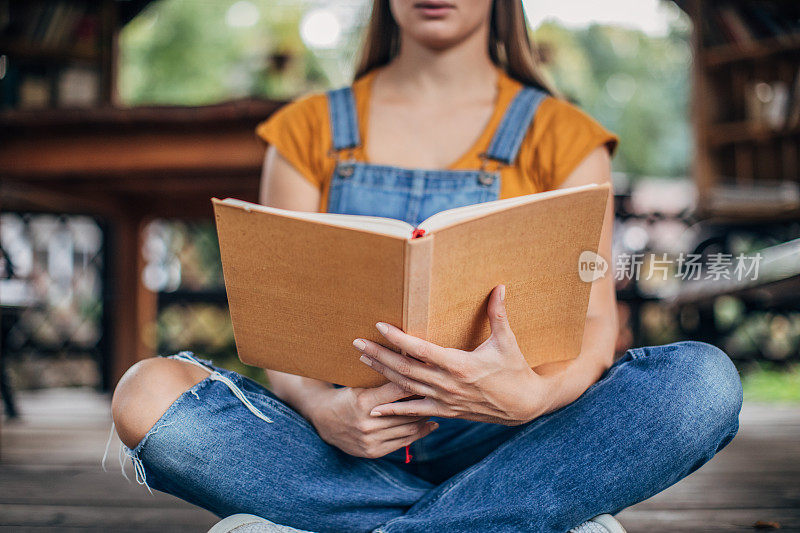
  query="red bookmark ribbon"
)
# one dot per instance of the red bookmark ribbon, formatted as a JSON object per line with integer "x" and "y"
{"x": 416, "y": 234}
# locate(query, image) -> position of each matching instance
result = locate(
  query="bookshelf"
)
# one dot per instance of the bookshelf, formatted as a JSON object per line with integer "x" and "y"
{"x": 746, "y": 105}
{"x": 57, "y": 54}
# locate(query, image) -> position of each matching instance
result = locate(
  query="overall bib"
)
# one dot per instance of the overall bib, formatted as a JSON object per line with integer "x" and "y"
{"x": 409, "y": 194}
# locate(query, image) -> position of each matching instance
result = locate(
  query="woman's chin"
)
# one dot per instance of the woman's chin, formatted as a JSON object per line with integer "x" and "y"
{"x": 438, "y": 38}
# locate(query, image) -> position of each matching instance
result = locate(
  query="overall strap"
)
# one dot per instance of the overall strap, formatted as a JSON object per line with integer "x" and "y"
{"x": 344, "y": 119}
{"x": 508, "y": 137}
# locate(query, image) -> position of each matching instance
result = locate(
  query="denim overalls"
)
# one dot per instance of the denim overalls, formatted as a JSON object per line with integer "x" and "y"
{"x": 410, "y": 194}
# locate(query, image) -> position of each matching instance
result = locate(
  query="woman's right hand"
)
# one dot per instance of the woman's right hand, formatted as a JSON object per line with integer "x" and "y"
{"x": 341, "y": 417}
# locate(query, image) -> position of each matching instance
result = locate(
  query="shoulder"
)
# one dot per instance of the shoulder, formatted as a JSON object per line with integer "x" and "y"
{"x": 562, "y": 118}
{"x": 561, "y": 137}
{"x": 307, "y": 113}
{"x": 300, "y": 132}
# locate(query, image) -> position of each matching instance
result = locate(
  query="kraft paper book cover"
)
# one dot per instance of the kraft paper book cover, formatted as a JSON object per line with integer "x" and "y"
{"x": 301, "y": 286}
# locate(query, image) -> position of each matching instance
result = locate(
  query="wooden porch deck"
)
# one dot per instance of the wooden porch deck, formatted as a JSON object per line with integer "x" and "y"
{"x": 50, "y": 477}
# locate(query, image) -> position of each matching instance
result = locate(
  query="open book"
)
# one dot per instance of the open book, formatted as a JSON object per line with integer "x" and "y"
{"x": 301, "y": 286}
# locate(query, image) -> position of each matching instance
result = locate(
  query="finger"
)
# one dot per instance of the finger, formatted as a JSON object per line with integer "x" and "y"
{"x": 389, "y": 392}
{"x": 386, "y": 422}
{"x": 415, "y": 347}
{"x": 404, "y": 382}
{"x": 396, "y": 444}
{"x": 401, "y": 364}
{"x": 403, "y": 430}
{"x": 421, "y": 407}
{"x": 498, "y": 317}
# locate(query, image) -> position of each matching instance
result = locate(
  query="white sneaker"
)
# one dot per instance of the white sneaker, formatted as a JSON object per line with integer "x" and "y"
{"x": 248, "y": 523}
{"x": 603, "y": 523}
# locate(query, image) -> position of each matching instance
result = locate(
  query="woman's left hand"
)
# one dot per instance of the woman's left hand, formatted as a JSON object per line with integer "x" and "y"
{"x": 492, "y": 383}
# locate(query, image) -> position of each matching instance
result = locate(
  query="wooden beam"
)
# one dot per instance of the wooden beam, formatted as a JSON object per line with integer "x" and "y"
{"x": 134, "y": 307}
{"x": 24, "y": 197}
{"x": 112, "y": 142}
{"x": 247, "y": 112}
{"x": 100, "y": 154}
{"x": 152, "y": 184}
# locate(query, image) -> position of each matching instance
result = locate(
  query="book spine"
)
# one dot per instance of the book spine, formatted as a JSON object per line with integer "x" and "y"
{"x": 417, "y": 285}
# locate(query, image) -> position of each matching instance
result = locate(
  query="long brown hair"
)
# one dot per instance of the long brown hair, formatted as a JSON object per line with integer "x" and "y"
{"x": 509, "y": 46}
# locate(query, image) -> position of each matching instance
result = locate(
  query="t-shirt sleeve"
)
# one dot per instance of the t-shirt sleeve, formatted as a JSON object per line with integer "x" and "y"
{"x": 567, "y": 135}
{"x": 295, "y": 130}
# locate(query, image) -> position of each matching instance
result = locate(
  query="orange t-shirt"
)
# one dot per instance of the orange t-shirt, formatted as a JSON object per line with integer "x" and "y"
{"x": 560, "y": 137}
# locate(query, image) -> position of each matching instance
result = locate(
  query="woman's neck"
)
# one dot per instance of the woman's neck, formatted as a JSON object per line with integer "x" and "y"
{"x": 458, "y": 70}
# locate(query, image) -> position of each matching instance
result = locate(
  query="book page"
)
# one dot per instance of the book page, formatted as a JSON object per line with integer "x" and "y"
{"x": 380, "y": 225}
{"x": 451, "y": 217}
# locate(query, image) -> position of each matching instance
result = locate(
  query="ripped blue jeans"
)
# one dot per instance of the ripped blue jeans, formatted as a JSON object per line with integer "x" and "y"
{"x": 231, "y": 446}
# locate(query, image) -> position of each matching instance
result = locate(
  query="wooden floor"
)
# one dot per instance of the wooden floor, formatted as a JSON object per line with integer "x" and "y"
{"x": 50, "y": 477}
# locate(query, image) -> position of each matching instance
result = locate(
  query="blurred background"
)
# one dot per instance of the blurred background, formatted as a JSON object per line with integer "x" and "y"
{"x": 119, "y": 119}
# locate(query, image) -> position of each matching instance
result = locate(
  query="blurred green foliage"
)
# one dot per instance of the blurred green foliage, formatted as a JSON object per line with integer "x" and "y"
{"x": 634, "y": 84}
{"x": 183, "y": 52}
{"x": 764, "y": 382}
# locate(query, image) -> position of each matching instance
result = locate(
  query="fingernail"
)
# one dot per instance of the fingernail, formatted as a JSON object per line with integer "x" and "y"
{"x": 502, "y": 293}
{"x": 383, "y": 328}
{"x": 374, "y": 413}
{"x": 361, "y": 345}
{"x": 366, "y": 360}
{"x": 433, "y": 425}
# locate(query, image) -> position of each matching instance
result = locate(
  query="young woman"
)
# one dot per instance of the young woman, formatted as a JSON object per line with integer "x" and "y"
{"x": 447, "y": 109}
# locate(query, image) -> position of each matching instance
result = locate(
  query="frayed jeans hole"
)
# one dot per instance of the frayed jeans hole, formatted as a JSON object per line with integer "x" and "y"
{"x": 138, "y": 468}
{"x": 240, "y": 395}
{"x": 188, "y": 357}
